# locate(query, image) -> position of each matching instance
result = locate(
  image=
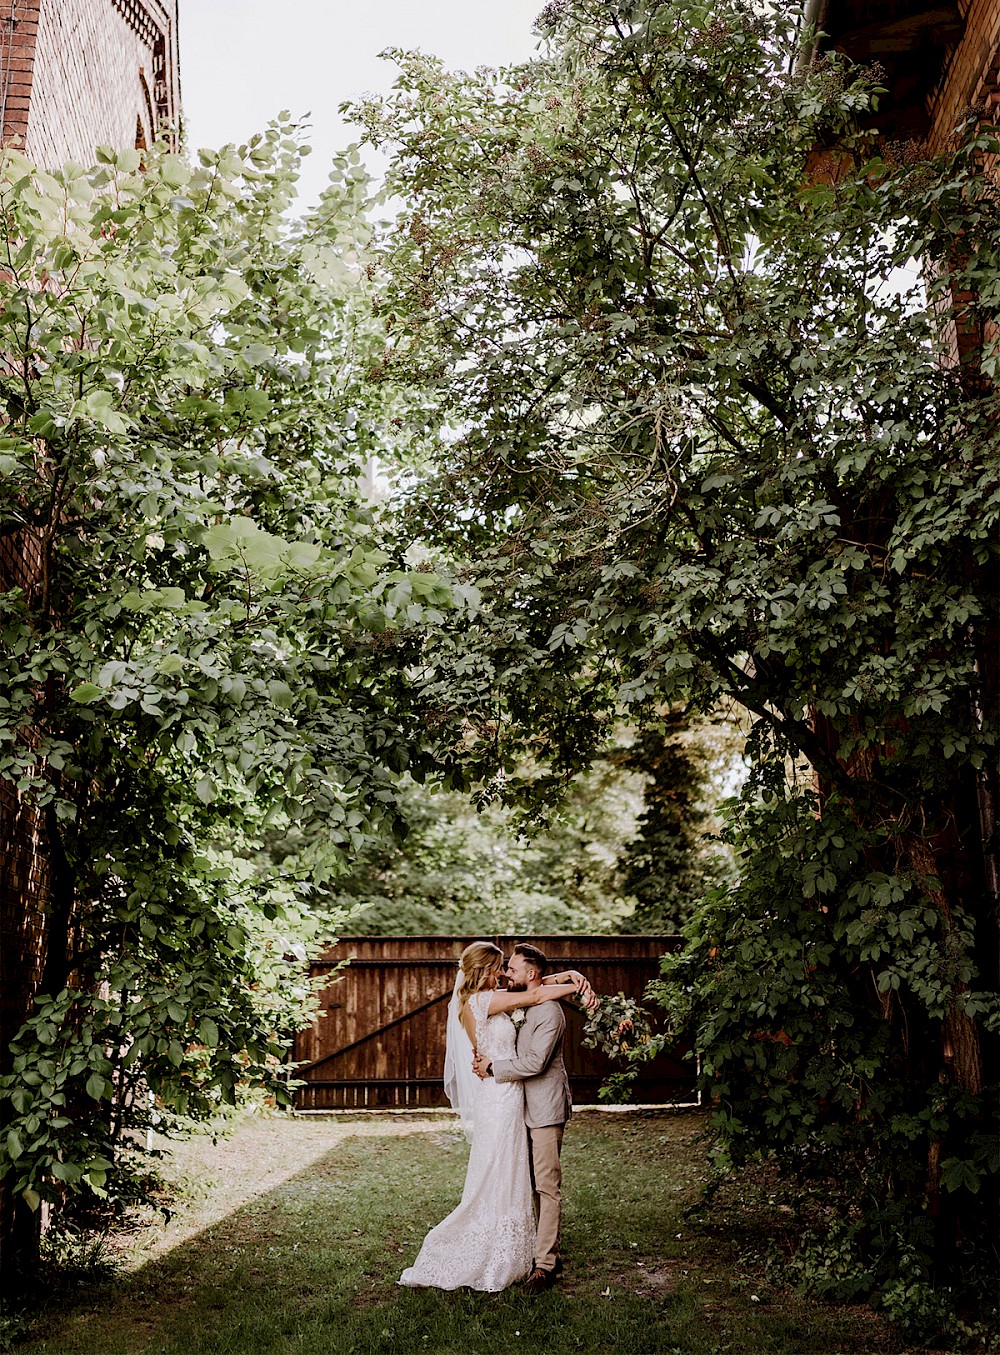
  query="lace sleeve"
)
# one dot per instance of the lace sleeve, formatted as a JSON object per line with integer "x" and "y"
{"x": 480, "y": 1004}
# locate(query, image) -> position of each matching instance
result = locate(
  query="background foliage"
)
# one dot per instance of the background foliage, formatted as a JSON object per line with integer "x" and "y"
{"x": 630, "y": 848}
{"x": 696, "y": 445}
{"x": 200, "y": 653}
{"x": 206, "y": 687}
{"x": 678, "y": 442}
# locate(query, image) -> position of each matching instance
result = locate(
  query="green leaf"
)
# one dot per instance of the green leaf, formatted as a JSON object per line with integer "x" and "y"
{"x": 173, "y": 170}
{"x": 97, "y": 1181}
{"x": 66, "y": 1171}
{"x": 281, "y": 694}
{"x": 85, "y": 693}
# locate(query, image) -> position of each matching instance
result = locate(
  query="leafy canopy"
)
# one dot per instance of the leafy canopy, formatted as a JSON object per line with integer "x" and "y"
{"x": 193, "y": 650}
{"x": 695, "y": 447}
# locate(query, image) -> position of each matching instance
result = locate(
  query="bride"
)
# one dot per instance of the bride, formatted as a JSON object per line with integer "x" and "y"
{"x": 487, "y": 1242}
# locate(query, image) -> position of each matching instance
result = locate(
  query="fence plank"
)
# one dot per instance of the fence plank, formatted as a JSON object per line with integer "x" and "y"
{"x": 379, "y": 1038}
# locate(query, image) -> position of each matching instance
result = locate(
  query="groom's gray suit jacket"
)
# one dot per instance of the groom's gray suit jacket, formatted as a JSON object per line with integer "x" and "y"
{"x": 538, "y": 1063}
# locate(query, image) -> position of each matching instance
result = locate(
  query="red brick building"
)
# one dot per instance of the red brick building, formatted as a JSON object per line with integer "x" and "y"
{"x": 939, "y": 59}
{"x": 75, "y": 74}
{"x": 940, "y": 64}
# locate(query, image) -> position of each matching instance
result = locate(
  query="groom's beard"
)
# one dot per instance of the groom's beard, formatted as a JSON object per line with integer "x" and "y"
{"x": 513, "y": 987}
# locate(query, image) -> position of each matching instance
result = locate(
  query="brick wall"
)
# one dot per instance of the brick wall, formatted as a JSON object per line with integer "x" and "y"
{"x": 75, "y": 74}
{"x": 86, "y": 89}
{"x": 940, "y": 62}
{"x": 24, "y": 875}
{"x": 24, "y": 895}
{"x": 18, "y": 31}
{"x": 970, "y": 80}
{"x": 971, "y": 77}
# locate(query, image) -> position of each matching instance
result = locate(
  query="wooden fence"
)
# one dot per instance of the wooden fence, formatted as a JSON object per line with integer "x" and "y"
{"x": 379, "y": 1040}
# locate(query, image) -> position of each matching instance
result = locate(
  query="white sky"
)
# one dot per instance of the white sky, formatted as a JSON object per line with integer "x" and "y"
{"x": 243, "y": 61}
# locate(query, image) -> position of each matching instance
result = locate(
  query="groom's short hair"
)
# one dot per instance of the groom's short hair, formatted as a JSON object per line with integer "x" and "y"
{"x": 533, "y": 955}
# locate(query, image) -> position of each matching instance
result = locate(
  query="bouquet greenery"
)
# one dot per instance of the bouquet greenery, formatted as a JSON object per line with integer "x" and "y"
{"x": 619, "y": 1026}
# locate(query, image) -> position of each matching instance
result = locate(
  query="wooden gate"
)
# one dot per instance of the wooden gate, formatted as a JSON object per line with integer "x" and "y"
{"x": 379, "y": 1038}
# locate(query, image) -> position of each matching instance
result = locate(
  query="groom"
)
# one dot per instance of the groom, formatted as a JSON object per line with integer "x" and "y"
{"x": 538, "y": 1063}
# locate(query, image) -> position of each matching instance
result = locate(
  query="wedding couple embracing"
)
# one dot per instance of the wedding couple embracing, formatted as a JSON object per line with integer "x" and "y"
{"x": 504, "y": 1072}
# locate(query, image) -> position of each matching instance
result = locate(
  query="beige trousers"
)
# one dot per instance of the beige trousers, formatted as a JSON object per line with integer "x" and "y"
{"x": 546, "y": 1178}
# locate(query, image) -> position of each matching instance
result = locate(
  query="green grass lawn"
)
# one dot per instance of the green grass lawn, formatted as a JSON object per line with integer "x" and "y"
{"x": 289, "y": 1236}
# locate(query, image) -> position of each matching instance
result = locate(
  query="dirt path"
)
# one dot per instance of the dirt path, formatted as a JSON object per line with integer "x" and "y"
{"x": 217, "y": 1177}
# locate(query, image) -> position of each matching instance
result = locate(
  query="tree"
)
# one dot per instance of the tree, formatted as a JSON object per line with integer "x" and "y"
{"x": 694, "y": 448}
{"x": 672, "y": 861}
{"x": 463, "y": 869}
{"x": 627, "y": 850}
{"x": 203, "y": 649}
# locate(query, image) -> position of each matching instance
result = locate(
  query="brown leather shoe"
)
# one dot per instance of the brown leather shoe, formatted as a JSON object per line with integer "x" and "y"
{"x": 538, "y": 1281}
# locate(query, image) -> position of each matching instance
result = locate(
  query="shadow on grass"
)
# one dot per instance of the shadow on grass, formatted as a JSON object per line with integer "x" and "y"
{"x": 310, "y": 1267}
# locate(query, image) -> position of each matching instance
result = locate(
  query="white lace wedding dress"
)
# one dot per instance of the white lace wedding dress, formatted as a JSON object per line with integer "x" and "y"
{"x": 488, "y": 1241}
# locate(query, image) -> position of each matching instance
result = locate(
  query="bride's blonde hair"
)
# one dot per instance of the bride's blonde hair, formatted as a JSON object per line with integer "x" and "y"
{"x": 480, "y": 963}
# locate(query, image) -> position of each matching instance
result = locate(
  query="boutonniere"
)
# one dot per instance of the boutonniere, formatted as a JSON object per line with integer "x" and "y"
{"x": 517, "y": 1016}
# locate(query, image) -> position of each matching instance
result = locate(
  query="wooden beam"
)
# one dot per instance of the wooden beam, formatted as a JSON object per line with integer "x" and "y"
{"x": 940, "y": 24}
